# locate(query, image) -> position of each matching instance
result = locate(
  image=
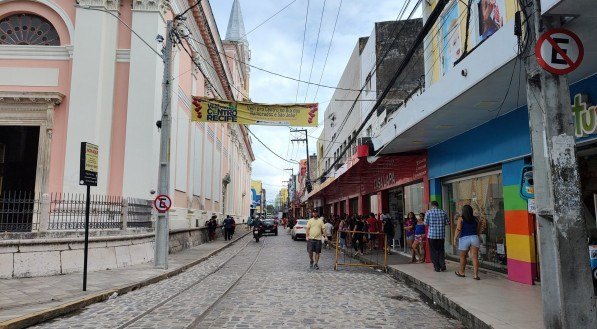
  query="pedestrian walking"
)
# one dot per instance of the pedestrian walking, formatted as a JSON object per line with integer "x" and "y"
{"x": 228, "y": 228}
{"x": 371, "y": 228}
{"x": 329, "y": 231}
{"x": 418, "y": 246}
{"x": 342, "y": 227}
{"x": 388, "y": 230}
{"x": 212, "y": 225}
{"x": 314, "y": 235}
{"x": 468, "y": 236}
{"x": 409, "y": 232}
{"x": 436, "y": 220}
{"x": 357, "y": 237}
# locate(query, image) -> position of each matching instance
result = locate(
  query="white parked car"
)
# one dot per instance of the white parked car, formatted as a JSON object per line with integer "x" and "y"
{"x": 299, "y": 231}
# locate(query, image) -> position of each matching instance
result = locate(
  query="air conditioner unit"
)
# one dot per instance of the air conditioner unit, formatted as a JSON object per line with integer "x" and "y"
{"x": 365, "y": 146}
{"x": 364, "y": 140}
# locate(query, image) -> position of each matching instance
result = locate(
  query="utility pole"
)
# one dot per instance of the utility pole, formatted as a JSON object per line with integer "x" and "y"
{"x": 306, "y": 140}
{"x": 162, "y": 234}
{"x": 565, "y": 274}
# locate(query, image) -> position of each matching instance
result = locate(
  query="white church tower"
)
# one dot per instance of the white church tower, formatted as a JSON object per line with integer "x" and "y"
{"x": 237, "y": 50}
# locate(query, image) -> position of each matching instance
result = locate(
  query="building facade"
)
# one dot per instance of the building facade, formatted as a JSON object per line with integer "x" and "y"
{"x": 73, "y": 72}
{"x": 473, "y": 123}
{"x": 360, "y": 183}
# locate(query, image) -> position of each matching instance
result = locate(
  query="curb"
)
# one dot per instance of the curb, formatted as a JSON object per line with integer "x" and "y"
{"x": 69, "y": 307}
{"x": 468, "y": 319}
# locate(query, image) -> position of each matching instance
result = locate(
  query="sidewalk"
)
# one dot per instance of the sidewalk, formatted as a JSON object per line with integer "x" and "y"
{"x": 492, "y": 302}
{"x": 26, "y": 301}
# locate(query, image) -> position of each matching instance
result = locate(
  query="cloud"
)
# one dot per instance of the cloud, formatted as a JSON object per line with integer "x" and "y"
{"x": 277, "y": 45}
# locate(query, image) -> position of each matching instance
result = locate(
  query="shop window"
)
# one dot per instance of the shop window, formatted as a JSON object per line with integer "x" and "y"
{"x": 413, "y": 198}
{"x": 28, "y": 30}
{"x": 484, "y": 194}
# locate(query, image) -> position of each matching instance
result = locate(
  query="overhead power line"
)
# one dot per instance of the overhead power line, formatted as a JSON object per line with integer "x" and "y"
{"x": 316, "y": 45}
{"x": 267, "y": 147}
{"x": 272, "y": 16}
{"x": 377, "y": 64}
{"x": 125, "y": 24}
{"x": 298, "y": 85}
{"x": 328, "y": 52}
{"x": 431, "y": 20}
{"x": 187, "y": 10}
{"x": 272, "y": 72}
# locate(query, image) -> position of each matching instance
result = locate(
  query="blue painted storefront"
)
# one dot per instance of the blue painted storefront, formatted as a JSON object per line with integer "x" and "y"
{"x": 504, "y": 143}
{"x": 500, "y": 140}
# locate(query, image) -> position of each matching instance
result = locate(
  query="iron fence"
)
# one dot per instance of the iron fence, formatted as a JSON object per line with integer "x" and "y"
{"x": 26, "y": 211}
{"x": 19, "y": 211}
{"x": 139, "y": 212}
{"x": 67, "y": 212}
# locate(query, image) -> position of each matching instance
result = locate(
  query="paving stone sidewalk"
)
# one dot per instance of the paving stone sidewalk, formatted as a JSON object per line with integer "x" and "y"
{"x": 24, "y": 296}
{"x": 494, "y": 301}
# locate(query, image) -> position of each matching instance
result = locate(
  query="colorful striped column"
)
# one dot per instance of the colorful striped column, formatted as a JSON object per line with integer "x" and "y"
{"x": 435, "y": 194}
{"x": 520, "y": 226}
{"x": 435, "y": 191}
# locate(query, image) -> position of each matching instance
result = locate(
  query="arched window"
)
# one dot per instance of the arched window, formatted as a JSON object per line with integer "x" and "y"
{"x": 28, "y": 29}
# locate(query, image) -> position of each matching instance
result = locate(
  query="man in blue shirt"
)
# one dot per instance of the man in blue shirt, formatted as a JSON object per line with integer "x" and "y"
{"x": 436, "y": 220}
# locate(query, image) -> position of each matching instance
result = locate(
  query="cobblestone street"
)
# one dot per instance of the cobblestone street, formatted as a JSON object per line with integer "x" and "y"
{"x": 265, "y": 285}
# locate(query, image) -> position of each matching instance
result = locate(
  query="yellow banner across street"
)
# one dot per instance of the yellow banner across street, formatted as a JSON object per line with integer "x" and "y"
{"x": 216, "y": 110}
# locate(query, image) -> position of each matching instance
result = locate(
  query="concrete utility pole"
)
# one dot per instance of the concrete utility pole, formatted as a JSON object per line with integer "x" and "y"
{"x": 162, "y": 233}
{"x": 306, "y": 140}
{"x": 566, "y": 283}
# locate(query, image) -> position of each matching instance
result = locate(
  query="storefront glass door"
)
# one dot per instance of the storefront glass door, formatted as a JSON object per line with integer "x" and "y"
{"x": 484, "y": 194}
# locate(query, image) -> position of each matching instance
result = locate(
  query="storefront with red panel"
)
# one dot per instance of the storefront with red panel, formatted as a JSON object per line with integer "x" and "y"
{"x": 393, "y": 185}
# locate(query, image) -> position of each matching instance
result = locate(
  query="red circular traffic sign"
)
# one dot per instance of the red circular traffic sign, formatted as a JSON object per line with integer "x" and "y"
{"x": 559, "y": 51}
{"x": 162, "y": 203}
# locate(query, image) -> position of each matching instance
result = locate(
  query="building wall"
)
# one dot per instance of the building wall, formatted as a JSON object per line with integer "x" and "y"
{"x": 438, "y": 60}
{"x": 506, "y": 137}
{"x": 112, "y": 85}
{"x": 336, "y": 133}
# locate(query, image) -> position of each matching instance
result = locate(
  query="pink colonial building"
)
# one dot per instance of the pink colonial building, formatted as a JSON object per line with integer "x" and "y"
{"x": 72, "y": 71}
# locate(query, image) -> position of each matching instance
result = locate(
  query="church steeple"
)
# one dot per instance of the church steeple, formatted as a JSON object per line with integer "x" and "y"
{"x": 236, "y": 26}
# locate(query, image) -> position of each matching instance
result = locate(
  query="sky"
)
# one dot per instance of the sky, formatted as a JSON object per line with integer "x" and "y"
{"x": 277, "y": 46}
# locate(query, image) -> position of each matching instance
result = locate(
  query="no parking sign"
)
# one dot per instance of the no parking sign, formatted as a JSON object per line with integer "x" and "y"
{"x": 559, "y": 51}
{"x": 162, "y": 203}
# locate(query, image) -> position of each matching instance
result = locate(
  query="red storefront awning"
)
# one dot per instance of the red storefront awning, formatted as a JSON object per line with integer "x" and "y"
{"x": 367, "y": 175}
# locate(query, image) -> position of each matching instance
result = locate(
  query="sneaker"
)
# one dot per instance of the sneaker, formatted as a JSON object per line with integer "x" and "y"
{"x": 316, "y": 266}
{"x": 311, "y": 264}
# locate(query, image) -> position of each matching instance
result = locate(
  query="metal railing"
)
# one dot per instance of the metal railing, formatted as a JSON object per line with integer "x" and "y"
{"x": 67, "y": 212}
{"x": 19, "y": 211}
{"x": 138, "y": 212}
{"x": 25, "y": 211}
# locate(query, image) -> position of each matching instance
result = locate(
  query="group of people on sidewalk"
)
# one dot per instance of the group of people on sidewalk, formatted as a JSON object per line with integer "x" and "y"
{"x": 228, "y": 226}
{"x": 467, "y": 237}
{"x": 427, "y": 228}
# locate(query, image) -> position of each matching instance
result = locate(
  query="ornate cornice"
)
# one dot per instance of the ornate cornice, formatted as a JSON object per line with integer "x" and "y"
{"x": 150, "y": 5}
{"x": 31, "y": 97}
{"x": 105, "y": 4}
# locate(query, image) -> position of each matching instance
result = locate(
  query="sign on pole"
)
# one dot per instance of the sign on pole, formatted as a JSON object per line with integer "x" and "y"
{"x": 89, "y": 164}
{"x": 88, "y": 177}
{"x": 559, "y": 51}
{"x": 162, "y": 203}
